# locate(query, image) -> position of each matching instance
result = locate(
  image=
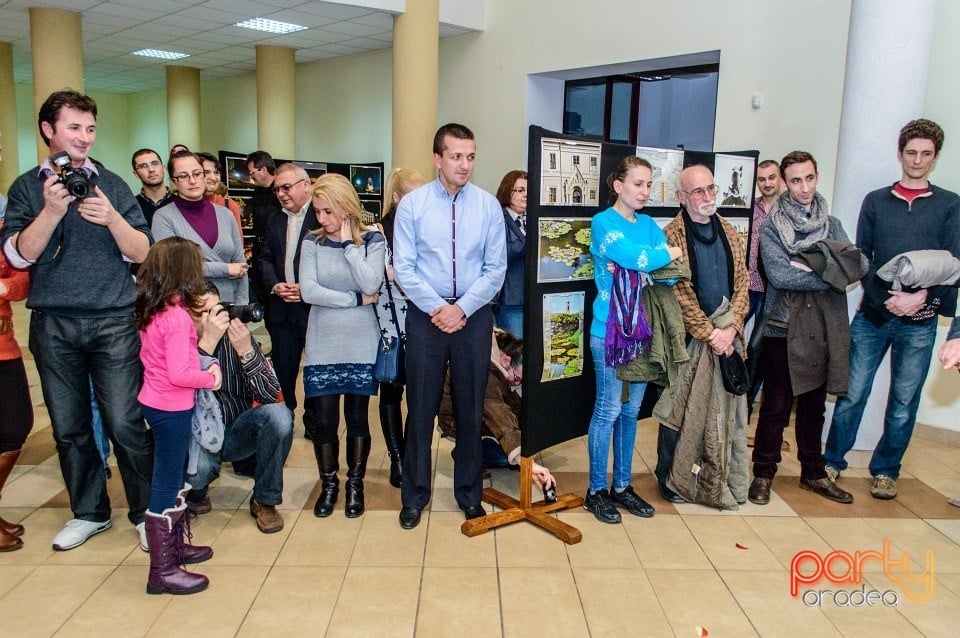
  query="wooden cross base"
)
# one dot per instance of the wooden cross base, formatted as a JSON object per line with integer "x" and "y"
{"x": 537, "y": 513}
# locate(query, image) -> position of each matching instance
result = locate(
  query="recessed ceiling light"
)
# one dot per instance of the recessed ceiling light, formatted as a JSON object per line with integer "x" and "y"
{"x": 163, "y": 55}
{"x": 270, "y": 26}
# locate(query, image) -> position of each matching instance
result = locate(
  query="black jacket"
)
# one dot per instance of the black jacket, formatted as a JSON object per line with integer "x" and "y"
{"x": 272, "y": 258}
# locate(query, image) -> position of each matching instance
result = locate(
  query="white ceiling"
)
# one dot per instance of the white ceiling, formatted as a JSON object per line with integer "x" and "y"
{"x": 202, "y": 28}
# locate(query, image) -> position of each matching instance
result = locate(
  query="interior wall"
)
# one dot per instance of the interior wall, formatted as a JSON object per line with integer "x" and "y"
{"x": 483, "y": 75}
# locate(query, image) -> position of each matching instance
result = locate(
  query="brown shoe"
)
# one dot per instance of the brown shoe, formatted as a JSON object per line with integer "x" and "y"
{"x": 202, "y": 506}
{"x": 759, "y": 493}
{"x": 268, "y": 518}
{"x": 827, "y": 489}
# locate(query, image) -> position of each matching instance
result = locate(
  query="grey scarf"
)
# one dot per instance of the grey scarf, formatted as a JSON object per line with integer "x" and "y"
{"x": 797, "y": 230}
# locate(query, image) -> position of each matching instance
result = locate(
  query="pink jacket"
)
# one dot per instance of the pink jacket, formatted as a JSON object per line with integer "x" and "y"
{"x": 171, "y": 362}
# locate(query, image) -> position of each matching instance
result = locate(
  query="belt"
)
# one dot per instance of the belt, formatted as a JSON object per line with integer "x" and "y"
{"x": 450, "y": 300}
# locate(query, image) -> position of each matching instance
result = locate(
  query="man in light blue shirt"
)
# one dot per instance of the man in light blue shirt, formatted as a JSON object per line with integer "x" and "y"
{"x": 450, "y": 259}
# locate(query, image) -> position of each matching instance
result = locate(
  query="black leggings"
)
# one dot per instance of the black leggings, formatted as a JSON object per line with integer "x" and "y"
{"x": 16, "y": 410}
{"x": 322, "y": 416}
{"x": 391, "y": 393}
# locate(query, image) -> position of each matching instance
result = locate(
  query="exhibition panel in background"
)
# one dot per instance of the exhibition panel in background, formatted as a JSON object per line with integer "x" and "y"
{"x": 567, "y": 187}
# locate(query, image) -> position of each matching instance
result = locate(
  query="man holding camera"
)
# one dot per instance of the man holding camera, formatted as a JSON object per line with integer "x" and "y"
{"x": 265, "y": 431}
{"x": 78, "y": 250}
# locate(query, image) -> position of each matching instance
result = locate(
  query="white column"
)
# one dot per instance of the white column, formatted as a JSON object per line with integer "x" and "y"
{"x": 885, "y": 83}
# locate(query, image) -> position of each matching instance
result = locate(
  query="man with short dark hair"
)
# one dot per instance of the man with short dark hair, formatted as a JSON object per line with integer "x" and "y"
{"x": 155, "y": 194}
{"x": 450, "y": 258}
{"x": 912, "y": 214}
{"x": 78, "y": 251}
{"x": 263, "y": 205}
{"x": 264, "y": 431}
{"x": 770, "y": 186}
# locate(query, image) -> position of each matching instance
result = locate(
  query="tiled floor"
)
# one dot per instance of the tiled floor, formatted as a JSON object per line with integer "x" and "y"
{"x": 687, "y": 568}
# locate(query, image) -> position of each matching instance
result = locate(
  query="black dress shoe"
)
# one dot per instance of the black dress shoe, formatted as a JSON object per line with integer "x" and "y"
{"x": 409, "y": 517}
{"x": 473, "y": 511}
{"x": 759, "y": 492}
{"x": 827, "y": 489}
{"x": 669, "y": 495}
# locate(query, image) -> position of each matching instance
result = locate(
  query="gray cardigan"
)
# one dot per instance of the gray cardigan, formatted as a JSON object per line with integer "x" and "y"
{"x": 169, "y": 222}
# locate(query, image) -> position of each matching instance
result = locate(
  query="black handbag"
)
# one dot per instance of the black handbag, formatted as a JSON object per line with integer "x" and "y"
{"x": 736, "y": 379}
{"x": 389, "y": 366}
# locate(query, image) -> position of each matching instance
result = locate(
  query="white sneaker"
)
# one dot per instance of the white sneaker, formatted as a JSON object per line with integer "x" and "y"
{"x": 76, "y": 532}
{"x": 142, "y": 530}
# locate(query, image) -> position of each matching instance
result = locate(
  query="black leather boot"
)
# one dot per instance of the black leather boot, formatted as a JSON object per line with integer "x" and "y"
{"x": 667, "y": 440}
{"x": 328, "y": 455}
{"x": 358, "y": 449}
{"x": 391, "y": 422}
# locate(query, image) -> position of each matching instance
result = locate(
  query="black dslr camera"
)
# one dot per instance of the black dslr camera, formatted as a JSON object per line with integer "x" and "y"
{"x": 75, "y": 179}
{"x": 251, "y": 312}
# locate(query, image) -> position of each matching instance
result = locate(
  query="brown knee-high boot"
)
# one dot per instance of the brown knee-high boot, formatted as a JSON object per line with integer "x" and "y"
{"x": 10, "y": 533}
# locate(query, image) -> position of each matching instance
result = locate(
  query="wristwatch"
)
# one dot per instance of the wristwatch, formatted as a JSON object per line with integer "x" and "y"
{"x": 247, "y": 357}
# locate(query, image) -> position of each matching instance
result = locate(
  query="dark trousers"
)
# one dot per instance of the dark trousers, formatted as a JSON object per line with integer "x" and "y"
{"x": 288, "y": 339}
{"x": 775, "y": 414}
{"x": 429, "y": 350}
{"x": 69, "y": 352}
{"x": 16, "y": 411}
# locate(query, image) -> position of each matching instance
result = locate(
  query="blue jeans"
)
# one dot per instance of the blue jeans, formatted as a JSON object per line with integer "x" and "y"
{"x": 266, "y": 431}
{"x": 510, "y": 318}
{"x": 911, "y": 347}
{"x": 171, "y": 439}
{"x": 611, "y": 419}
{"x": 69, "y": 352}
{"x": 103, "y": 443}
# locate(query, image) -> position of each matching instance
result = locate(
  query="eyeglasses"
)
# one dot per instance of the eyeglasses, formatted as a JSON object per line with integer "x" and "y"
{"x": 700, "y": 192}
{"x": 518, "y": 190}
{"x": 286, "y": 187}
{"x": 211, "y": 171}
{"x": 195, "y": 176}
{"x": 146, "y": 165}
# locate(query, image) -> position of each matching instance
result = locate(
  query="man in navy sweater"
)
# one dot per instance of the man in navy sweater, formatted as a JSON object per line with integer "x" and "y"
{"x": 912, "y": 214}
{"x": 78, "y": 251}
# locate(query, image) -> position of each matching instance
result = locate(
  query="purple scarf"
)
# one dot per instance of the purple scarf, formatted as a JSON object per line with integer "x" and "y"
{"x": 627, "y": 329}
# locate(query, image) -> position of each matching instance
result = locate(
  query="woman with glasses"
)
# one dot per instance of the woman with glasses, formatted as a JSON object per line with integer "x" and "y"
{"x": 215, "y": 190}
{"x": 208, "y": 225}
{"x": 512, "y": 195}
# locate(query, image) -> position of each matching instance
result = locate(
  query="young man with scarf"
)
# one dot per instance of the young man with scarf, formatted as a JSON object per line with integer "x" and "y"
{"x": 800, "y": 222}
{"x": 714, "y": 304}
{"x": 912, "y": 214}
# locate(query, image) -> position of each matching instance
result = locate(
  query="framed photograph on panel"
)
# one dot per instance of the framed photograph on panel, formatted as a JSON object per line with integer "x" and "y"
{"x": 563, "y": 339}
{"x": 366, "y": 179}
{"x": 564, "y": 249}
{"x": 570, "y": 173}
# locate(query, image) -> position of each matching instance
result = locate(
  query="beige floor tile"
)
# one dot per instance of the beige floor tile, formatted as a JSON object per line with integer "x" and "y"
{"x": 11, "y": 575}
{"x": 765, "y": 598}
{"x": 376, "y": 601}
{"x": 298, "y": 483}
{"x": 602, "y": 545}
{"x": 139, "y": 612}
{"x": 787, "y": 536}
{"x": 851, "y": 535}
{"x": 447, "y": 546}
{"x": 443, "y": 612}
{"x": 665, "y": 542}
{"x": 699, "y": 598}
{"x": 40, "y": 603}
{"x": 294, "y": 601}
{"x": 918, "y": 538}
{"x": 523, "y": 591}
{"x": 606, "y": 593}
{"x": 878, "y": 621}
{"x": 230, "y": 491}
{"x": 219, "y": 610}
{"x": 921, "y": 464}
{"x": 34, "y": 488}
{"x": 526, "y": 545}
{"x": 383, "y": 543}
{"x": 950, "y": 528}
{"x": 241, "y": 543}
{"x": 948, "y": 487}
{"x": 938, "y": 616}
{"x": 16, "y": 514}
{"x": 319, "y": 541}
{"x": 41, "y": 526}
{"x": 301, "y": 452}
{"x": 723, "y": 540}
